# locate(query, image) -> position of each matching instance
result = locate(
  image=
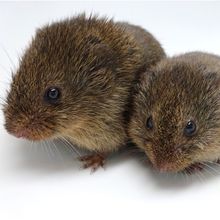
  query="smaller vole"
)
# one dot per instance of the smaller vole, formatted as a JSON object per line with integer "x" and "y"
{"x": 176, "y": 115}
{"x": 74, "y": 81}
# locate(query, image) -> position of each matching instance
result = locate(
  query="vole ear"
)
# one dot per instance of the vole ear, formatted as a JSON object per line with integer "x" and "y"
{"x": 213, "y": 78}
{"x": 147, "y": 77}
{"x": 210, "y": 76}
{"x": 103, "y": 53}
{"x": 142, "y": 76}
{"x": 105, "y": 56}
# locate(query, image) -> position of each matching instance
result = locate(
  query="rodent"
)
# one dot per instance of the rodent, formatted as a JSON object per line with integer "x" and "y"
{"x": 176, "y": 112}
{"x": 74, "y": 81}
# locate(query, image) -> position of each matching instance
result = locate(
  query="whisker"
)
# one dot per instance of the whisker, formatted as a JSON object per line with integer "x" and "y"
{"x": 9, "y": 57}
{"x": 41, "y": 146}
{"x": 55, "y": 147}
{"x": 49, "y": 148}
{"x": 32, "y": 147}
{"x": 1, "y": 98}
{"x": 182, "y": 175}
{"x": 4, "y": 69}
{"x": 214, "y": 163}
{"x": 46, "y": 149}
{"x": 198, "y": 175}
{"x": 201, "y": 175}
{"x": 72, "y": 146}
{"x": 186, "y": 176}
{"x": 206, "y": 169}
{"x": 195, "y": 174}
{"x": 57, "y": 150}
{"x": 212, "y": 168}
{"x": 70, "y": 150}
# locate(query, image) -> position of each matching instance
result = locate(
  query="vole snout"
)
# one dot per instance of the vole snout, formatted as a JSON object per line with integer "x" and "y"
{"x": 167, "y": 158}
{"x": 22, "y": 134}
{"x": 31, "y": 126}
{"x": 165, "y": 167}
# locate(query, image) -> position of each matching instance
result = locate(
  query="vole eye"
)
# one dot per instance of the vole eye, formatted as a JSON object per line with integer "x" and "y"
{"x": 52, "y": 95}
{"x": 190, "y": 128}
{"x": 149, "y": 123}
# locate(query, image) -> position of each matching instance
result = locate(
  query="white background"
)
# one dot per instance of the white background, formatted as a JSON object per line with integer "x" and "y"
{"x": 36, "y": 182}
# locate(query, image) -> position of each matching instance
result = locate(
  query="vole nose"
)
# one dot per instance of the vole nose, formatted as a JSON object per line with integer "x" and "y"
{"x": 21, "y": 133}
{"x": 166, "y": 167}
{"x": 160, "y": 163}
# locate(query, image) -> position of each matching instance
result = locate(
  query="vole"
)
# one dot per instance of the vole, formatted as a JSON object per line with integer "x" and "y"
{"x": 74, "y": 81}
{"x": 176, "y": 112}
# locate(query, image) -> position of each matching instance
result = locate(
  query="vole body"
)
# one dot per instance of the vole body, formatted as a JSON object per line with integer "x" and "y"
{"x": 176, "y": 118}
{"x": 74, "y": 81}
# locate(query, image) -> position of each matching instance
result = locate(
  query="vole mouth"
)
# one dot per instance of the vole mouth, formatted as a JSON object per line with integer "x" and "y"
{"x": 168, "y": 162}
{"x": 178, "y": 168}
{"x": 168, "y": 168}
{"x": 164, "y": 166}
{"x": 32, "y": 133}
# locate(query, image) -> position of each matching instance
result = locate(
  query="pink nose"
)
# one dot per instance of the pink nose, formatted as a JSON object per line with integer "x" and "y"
{"x": 21, "y": 134}
{"x": 165, "y": 168}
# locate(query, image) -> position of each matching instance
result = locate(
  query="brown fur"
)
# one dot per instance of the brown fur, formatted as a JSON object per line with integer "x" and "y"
{"x": 94, "y": 62}
{"x": 176, "y": 90}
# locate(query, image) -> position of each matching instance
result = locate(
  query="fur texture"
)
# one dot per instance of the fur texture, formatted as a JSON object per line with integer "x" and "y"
{"x": 177, "y": 90}
{"x": 93, "y": 62}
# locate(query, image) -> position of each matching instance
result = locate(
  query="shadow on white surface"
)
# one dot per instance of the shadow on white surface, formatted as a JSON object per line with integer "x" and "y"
{"x": 41, "y": 160}
{"x": 38, "y": 184}
{"x": 23, "y": 159}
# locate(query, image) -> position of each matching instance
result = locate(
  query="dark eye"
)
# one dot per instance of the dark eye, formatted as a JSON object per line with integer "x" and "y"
{"x": 190, "y": 128}
{"x": 52, "y": 95}
{"x": 149, "y": 123}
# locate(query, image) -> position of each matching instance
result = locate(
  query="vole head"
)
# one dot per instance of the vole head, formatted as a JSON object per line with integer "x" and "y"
{"x": 176, "y": 119}
{"x": 65, "y": 77}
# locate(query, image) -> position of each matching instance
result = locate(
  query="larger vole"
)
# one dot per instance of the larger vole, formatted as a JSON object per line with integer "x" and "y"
{"x": 74, "y": 81}
{"x": 176, "y": 118}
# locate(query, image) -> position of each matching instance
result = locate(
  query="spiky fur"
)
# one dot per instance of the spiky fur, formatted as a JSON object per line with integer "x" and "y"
{"x": 94, "y": 62}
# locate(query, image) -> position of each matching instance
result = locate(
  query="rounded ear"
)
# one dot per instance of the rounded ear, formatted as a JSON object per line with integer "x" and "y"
{"x": 146, "y": 77}
{"x": 212, "y": 76}
{"x": 105, "y": 56}
{"x": 214, "y": 80}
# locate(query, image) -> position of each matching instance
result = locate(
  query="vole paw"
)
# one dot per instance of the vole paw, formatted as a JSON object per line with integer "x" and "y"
{"x": 93, "y": 161}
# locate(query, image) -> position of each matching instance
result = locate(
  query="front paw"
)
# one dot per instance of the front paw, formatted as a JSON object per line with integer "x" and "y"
{"x": 93, "y": 161}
